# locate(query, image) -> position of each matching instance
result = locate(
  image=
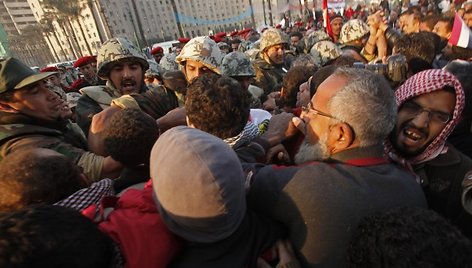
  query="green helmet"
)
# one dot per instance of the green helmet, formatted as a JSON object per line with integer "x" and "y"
{"x": 116, "y": 49}
{"x": 272, "y": 37}
{"x": 237, "y": 64}
{"x": 204, "y": 50}
{"x": 314, "y": 37}
{"x": 168, "y": 62}
{"x": 353, "y": 30}
{"x": 324, "y": 51}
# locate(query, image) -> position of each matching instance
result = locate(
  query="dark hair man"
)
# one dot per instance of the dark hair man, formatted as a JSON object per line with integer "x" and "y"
{"x": 123, "y": 65}
{"x": 30, "y": 117}
{"x": 430, "y": 106}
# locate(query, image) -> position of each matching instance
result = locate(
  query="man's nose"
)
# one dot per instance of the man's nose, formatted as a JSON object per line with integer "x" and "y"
{"x": 422, "y": 119}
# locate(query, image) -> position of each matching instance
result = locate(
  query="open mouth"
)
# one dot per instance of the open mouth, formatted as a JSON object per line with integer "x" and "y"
{"x": 412, "y": 134}
{"x": 128, "y": 85}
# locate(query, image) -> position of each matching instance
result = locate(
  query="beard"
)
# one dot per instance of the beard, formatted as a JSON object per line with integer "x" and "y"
{"x": 312, "y": 152}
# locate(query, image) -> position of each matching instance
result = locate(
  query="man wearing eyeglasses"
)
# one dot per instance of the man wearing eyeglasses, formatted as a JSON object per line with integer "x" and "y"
{"x": 342, "y": 173}
{"x": 430, "y": 105}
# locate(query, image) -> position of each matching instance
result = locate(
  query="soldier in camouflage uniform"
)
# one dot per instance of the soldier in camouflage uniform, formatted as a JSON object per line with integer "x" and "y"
{"x": 30, "y": 117}
{"x": 238, "y": 66}
{"x": 270, "y": 68}
{"x": 123, "y": 65}
{"x": 324, "y": 52}
{"x": 200, "y": 55}
{"x": 354, "y": 35}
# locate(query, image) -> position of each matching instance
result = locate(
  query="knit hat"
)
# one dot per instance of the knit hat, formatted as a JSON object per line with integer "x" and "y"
{"x": 198, "y": 183}
{"x": 353, "y": 30}
{"x": 325, "y": 51}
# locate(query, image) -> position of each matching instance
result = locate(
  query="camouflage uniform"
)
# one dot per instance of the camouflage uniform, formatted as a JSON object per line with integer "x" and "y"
{"x": 325, "y": 51}
{"x": 157, "y": 103}
{"x": 268, "y": 76}
{"x": 237, "y": 64}
{"x": 97, "y": 98}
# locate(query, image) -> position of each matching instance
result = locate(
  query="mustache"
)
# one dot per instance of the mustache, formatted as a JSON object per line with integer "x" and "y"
{"x": 408, "y": 125}
{"x": 128, "y": 81}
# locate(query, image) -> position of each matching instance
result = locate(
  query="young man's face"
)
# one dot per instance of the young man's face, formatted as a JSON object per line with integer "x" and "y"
{"x": 157, "y": 57}
{"x": 441, "y": 29}
{"x": 35, "y": 100}
{"x": 468, "y": 19}
{"x": 294, "y": 40}
{"x": 420, "y": 120}
{"x": 194, "y": 69}
{"x": 54, "y": 80}
{"x": 127, "y": 77}
{"x": 89, "y": 70}
{"x": 276, "y": 54}
{"x": 336, "y": 27}
{"x": 410, "y": 25}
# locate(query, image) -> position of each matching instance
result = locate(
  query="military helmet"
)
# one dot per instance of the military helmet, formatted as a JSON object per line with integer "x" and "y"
{"x": 237, "y": 64}
{"x": 116, "y": 49}
{"x": 353, "y": 30}
{"x": 314, "y": 38}
{"x": 272, "y": 37}
{"x": 168, "y": 62}
{"x": 325, "y": 51}
{"x": 204, "y": 50}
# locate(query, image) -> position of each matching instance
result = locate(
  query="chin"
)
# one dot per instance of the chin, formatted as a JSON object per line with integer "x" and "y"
{"x": 311, "y": 152}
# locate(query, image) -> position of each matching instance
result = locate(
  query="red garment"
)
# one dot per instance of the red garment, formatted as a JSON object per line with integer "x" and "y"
{"x": 136, "y": 226}
{"x": 348, "y": 13}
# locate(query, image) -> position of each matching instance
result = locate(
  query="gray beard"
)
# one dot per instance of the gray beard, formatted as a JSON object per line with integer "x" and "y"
{"x": 312, "y": 152}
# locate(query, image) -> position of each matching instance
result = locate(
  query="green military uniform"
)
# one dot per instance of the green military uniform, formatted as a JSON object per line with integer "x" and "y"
{"x": 95, "y": 99}
{"x": 268, "y": 77}
{"x": 19, "y": 132}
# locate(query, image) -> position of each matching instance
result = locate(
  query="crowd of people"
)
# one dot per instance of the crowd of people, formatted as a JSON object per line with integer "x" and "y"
{"x": 296, "y": 145}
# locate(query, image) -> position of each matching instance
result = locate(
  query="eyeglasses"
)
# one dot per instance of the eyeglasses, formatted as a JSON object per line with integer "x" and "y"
{"x": 309, "y": 109}
{"x": 415, "y": 109}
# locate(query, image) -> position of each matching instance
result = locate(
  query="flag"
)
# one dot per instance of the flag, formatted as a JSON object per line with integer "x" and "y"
{"x": 461, "y": 35}
{"x": 326, "y": 22}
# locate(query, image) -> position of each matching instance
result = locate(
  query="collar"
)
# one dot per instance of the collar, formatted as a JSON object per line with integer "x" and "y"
{"x": 16, "y": 118}
{"x": 360, "y": 156}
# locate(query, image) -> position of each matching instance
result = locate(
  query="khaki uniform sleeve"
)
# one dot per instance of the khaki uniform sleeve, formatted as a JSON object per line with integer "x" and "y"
{"x": 92, "y": 166}
{"x": 126, "y": 101}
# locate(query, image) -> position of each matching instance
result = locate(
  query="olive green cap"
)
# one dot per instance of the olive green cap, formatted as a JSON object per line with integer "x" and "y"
{"x": 15, "y": 75}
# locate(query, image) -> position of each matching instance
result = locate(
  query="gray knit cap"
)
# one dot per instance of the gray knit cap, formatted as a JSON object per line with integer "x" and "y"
{"x": 198, "y": 183}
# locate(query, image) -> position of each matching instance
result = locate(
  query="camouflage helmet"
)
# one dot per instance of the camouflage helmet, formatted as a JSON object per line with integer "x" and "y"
{"x": 116, "y": 49}
{"x": 237, "y": 64}
{"x": 272, "y": 37}
{"x": 154, "y": 69}
{"x": 324, "y": 51}
{"x": 353, "y": 30}
{"x": 168, "y": 62}
{"x": 204, "y": 50}
{"x": 315, "y": 37}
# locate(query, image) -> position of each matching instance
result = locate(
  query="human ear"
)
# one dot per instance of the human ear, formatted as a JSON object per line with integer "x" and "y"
{"x": 341, "y": 137}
